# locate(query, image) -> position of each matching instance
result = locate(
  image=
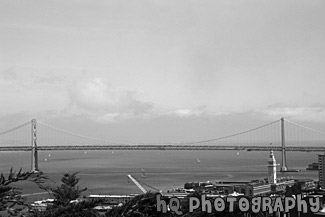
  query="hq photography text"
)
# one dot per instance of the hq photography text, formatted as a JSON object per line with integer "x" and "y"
{"x": 229, "y": 204}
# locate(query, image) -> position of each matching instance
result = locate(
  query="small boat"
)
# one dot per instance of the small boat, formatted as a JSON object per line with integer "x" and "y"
{"x": 143, "y": 175}
{"x": 198, "y": 160}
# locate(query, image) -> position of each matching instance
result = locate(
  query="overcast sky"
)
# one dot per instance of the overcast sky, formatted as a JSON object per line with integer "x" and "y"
{"x": 152, "y": 71}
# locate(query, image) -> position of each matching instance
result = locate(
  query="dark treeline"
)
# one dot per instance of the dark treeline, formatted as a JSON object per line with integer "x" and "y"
{"x": 69, "y": 201}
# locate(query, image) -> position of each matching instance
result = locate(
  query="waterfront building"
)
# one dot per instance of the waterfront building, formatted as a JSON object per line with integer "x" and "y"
{"x": 113, "y": 199}
{"x": 266, "y": 186}
{"x": 312, "y": 166}
{"x": 321, "y": 170}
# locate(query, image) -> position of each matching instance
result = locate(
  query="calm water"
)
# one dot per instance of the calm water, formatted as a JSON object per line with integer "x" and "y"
{"x": 105, "y": 172}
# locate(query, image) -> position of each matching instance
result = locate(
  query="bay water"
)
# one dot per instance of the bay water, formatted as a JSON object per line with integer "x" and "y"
{"x": 105, "y": 172}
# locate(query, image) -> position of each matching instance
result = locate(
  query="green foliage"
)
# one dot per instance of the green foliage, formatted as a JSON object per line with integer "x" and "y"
{"x": 293, "y": 190}
{"x": 67, "y": 201}
{"x": 68, "y": 191}
{"x": 11, "y": 200}
{"x": 80, "y": 209}
{"x": 142, "y": 205}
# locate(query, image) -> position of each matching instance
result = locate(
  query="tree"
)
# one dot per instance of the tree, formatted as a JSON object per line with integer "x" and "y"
{"x": 67, "y": 201}
{"x": 144, "y": 205}
{"x": 68, "y": 191}
{"x": 11, "y": 200}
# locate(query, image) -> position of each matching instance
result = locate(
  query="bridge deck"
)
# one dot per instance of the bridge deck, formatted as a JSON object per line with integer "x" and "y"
{"x": 163, "y": 147}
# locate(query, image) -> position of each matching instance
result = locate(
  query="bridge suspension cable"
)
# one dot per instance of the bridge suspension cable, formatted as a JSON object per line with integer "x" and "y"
{"x": 15, "y": 128}
{"x": 307, "y": 128}
{"x": 256, "y": 136}
{"x": 267, "y": 135}
{"x": 16, "y": 136}
{"x": 63, "y": 136}
{"x": 300, "y": 135}
{"x": 40, "y": 136}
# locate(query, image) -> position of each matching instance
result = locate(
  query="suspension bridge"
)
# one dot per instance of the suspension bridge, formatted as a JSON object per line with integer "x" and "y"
{"x": 280, "y": 135}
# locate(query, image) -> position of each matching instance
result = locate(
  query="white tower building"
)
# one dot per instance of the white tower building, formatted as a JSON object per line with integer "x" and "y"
{"x": 272, "y": 168}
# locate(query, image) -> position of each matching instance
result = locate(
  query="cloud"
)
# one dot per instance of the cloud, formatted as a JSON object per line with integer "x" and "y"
{"x": 315, "y": 113}
{"x": 21, "y": 92}
{"x": 24, "y": 91}
{"x": 97, "y": 98}
{"x": 186, "y": 113}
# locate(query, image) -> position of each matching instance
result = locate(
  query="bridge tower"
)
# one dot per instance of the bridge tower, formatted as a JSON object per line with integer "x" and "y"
{"x": 284, "y": 158}
{"x": 34, "y": 166}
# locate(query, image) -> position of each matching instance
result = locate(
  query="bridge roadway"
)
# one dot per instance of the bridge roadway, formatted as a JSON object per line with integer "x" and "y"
{"x": 162, "y": 147}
